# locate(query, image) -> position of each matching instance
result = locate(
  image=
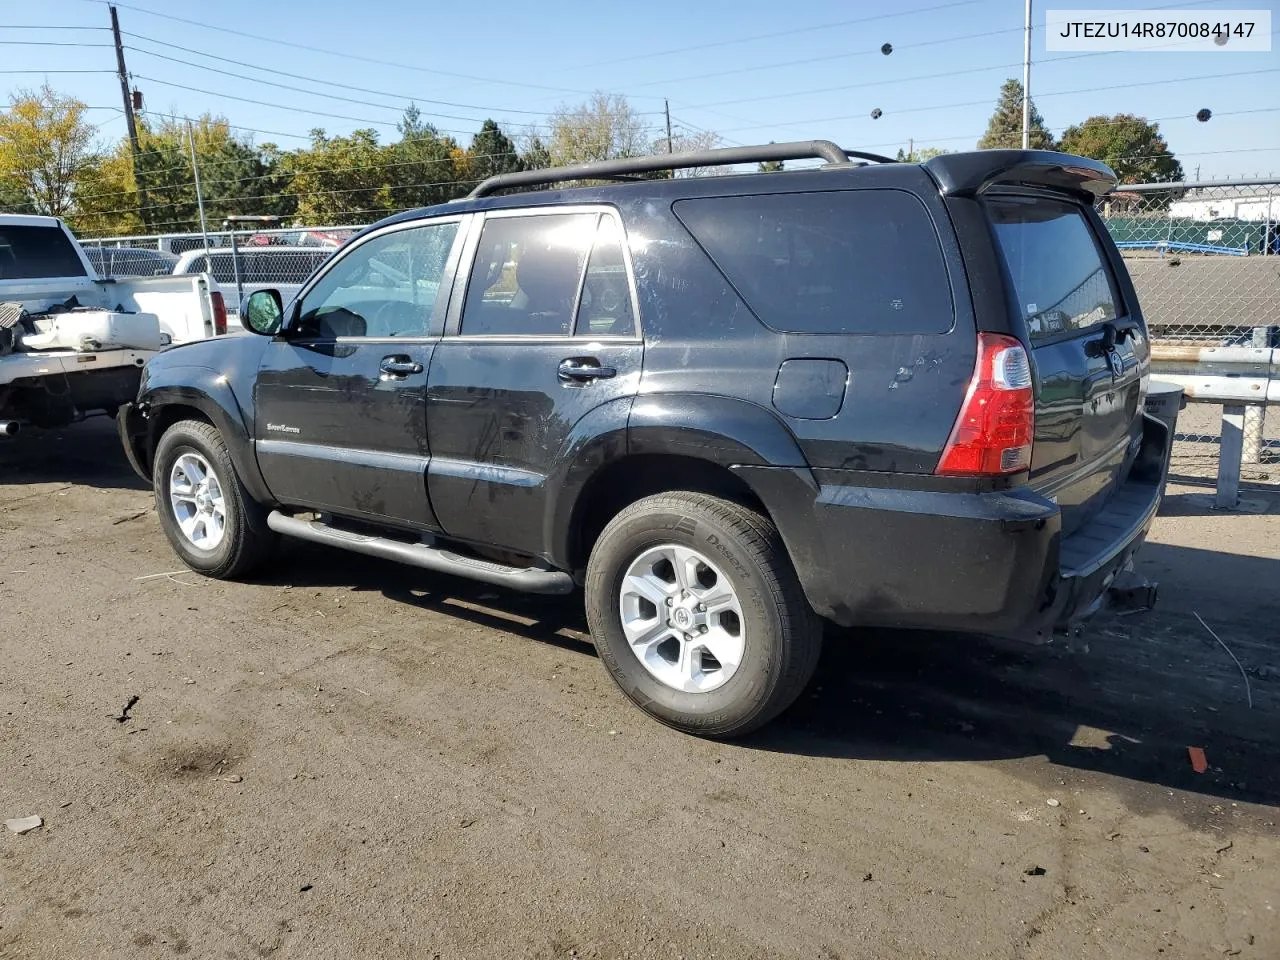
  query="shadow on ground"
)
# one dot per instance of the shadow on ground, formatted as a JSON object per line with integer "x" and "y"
{"x": 1148, "y": 687}
{"x": 1129, "y": 705}
{"x": 87, "y": 453}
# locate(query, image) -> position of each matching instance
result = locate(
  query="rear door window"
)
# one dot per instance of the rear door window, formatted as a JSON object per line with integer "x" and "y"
{"x": 1060, "y": 280}
{"x": 852, "y": 262}
{"x": 527, "y": 274}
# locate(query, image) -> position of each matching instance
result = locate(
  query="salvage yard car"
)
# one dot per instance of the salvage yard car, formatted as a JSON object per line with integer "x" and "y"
{"x": 727, "y": 408}
{"x": 73, "y": 343}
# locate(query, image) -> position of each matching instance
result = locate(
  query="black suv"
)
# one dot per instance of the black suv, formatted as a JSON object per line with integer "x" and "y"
{"x": 728, "y": 407}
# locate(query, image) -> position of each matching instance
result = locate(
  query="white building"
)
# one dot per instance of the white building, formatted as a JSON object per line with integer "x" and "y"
{"x": 1257, "y": 204}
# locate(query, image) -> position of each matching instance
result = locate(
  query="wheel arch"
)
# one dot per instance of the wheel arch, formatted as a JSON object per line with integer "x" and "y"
{"x": 672, "y": 442}
{"x": 197, "y": 393}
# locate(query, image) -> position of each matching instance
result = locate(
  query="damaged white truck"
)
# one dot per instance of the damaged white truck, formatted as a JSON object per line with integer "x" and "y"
{"x": 73, "y": 344}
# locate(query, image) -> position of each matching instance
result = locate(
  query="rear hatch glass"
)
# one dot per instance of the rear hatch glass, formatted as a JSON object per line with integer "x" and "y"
{"x": 1088, "y": 394}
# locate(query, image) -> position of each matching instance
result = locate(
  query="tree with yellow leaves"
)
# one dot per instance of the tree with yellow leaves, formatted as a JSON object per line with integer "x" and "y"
{"x": 45, "y": 146}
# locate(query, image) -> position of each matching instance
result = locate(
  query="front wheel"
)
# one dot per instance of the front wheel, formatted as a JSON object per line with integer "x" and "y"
{"x": 698, "y": 615}
{"x": 207, "y": 514}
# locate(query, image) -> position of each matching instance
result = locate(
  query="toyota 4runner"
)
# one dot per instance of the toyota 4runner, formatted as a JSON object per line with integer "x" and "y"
{"x": 727, "y": 407}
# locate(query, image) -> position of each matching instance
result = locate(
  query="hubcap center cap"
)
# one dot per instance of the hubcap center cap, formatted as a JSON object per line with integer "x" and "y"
{"x": 686, "y": 617}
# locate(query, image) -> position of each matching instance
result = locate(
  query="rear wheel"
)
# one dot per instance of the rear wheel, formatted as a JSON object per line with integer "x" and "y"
{"x": 210, "y": 519}
{"x": 698, "y": 615}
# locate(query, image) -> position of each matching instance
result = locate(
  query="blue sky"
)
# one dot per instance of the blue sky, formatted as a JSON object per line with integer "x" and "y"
{"x": 752, "y": 70}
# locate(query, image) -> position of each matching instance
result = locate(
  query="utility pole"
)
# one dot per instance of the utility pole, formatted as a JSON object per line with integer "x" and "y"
{"x": 911, "y": 147}
{"x": 667, "y": 107}
{"x": 1026, "y": 81}
{"x": 128, "y": 116}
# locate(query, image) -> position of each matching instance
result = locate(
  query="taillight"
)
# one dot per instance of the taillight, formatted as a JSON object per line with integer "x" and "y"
{"x": 219, "y": 314}
{"x": 993, "y": 433}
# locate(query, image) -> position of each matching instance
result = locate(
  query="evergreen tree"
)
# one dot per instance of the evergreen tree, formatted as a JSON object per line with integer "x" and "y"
{"x": 1004, "y": 130}
{"x": 492, "y": 152}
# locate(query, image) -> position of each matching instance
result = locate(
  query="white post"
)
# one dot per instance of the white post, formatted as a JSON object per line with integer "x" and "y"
{"x": 195, "y": 169}
{"x": 1230, "y": 450}
{"x": 1026, "y": 81}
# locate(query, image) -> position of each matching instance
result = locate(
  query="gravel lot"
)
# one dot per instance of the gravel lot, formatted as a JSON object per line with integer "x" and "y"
{"x": 352, "y": 759}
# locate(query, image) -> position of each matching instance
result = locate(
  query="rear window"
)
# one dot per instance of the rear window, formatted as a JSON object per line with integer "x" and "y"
{"x": 856, "y": 261}
{"x": 33, "y": 252}
{"x": 1059, "y": 277}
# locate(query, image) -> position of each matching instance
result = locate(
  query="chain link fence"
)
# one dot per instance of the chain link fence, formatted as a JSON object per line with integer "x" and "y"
{"x": 1205, "y": 260}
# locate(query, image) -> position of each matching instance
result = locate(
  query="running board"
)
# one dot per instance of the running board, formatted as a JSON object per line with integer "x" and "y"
{"x": 526, "y": 579}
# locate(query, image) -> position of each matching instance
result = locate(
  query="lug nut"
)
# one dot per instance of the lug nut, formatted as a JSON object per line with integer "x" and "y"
{"x": 702, "y": 607}
{"x": 670, "y": 602}
{"x": 703, "y": 628}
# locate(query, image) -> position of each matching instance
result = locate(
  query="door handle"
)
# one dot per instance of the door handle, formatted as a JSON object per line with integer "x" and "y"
{"x": 583, "y": 370}
{"x": 399, "y": 367}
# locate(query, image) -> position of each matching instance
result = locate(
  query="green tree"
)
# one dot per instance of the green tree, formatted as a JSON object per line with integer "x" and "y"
{"x": 341, "y": 180}
{"x": 424, "y": 168}
{"x": 1130, "y": 145}
{"x": 1004, "y": 130}
{"x": 921, "y": 155}
{"x": 492, "y": 152}
{"x": 45, "y": 146}
{"x": 236, "y": 177}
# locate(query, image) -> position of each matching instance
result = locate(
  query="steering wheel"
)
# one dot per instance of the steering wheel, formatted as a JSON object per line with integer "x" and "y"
{"x": 387, "y": 320}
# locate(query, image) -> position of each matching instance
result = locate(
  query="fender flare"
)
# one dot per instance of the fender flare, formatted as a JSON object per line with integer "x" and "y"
{"x": 722, "y": 431}
{"x": 206, "y": 390}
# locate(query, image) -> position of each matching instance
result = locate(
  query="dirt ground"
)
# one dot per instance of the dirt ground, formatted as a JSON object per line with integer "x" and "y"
{"x": 354, "y": 759}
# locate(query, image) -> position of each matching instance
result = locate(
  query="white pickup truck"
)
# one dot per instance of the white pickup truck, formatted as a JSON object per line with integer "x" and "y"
{"x": 73, "y": 343}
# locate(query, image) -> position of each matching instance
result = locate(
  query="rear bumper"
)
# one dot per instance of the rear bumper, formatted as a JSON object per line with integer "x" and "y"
{"x": 992, "y": 563}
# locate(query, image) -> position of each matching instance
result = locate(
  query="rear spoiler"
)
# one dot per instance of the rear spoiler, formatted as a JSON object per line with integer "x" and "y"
{"x": 971, "y": 174}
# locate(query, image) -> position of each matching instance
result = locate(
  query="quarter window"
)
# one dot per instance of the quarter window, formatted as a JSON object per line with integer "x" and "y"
{"x": 855, "y": 261}
{"x": 385, "y": 287}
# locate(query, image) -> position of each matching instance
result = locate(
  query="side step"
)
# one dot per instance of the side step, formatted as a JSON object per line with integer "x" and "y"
{"x": 527, "y": 579}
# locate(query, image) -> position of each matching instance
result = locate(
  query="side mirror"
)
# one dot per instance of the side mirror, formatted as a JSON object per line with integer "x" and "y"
{"x": 262, "y": 313}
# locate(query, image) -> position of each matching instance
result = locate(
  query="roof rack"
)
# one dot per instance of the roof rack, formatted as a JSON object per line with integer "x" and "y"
{"x": 626, "y": 168}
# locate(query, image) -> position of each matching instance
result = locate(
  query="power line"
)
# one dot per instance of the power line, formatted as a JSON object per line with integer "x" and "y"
{"x": 50, "y": 43}
{"x": 298, "y": 76}
{"x": 1040, "y": 96}
{"x": 873, "y": 51}
{"x": 778, "y": 33}
{"x": 46, "y": 26}
{"x": 275, "y": 106}
{"x": 345, "y": 54}
{"x": 42, "y": 72}
{"x": 285, "y": 86}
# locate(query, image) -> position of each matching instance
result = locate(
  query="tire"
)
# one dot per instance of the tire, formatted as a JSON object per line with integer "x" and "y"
{"x": 244, "y": 541}
{"x": 778, "y": 636}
